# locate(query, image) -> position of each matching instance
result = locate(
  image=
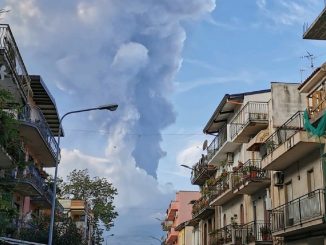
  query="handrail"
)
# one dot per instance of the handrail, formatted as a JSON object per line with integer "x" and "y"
{"x": 257, "y": 111}
{"x": 251, "y": 170}
{"x": 294, "y": 124}
{"x": 40, "y": 122}
{"x": 8, "y": 44}
{"x": 217, "y": 143}
{"x": 296, "y": 211}
{"x": 29, "y": 175}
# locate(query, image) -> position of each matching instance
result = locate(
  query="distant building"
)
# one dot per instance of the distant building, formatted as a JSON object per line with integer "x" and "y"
{"x": 177, "y": 215}
{"x": 81, "y": 215}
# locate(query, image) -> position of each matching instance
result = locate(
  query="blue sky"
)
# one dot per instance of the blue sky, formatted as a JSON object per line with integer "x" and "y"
{"x": 167, "y": 63}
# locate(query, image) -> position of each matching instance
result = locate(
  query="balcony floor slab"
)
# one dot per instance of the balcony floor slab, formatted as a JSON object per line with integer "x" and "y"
{"x": 290, "y": 151}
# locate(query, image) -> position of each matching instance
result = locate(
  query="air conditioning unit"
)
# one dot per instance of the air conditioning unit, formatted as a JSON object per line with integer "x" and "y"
{"x": 268, "y": 202}
{"x": 278, "y": 178}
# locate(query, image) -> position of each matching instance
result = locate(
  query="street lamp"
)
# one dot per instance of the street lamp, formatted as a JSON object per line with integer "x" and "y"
{"x": 110, "y": 107}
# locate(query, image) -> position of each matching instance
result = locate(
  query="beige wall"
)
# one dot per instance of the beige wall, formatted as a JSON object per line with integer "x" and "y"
{"x": 297, "y": 174}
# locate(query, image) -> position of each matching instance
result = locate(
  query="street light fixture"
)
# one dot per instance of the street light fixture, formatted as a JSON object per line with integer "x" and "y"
{"x": 106, "y": 238}
{"x": 110, "y": 107}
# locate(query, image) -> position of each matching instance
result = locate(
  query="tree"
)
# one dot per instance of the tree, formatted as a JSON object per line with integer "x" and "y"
{"x": 65, "y": 231}
{"x": 98, "y": 192}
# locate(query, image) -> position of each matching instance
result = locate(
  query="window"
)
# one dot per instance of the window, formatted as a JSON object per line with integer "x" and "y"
{"x": 310, "y": 180}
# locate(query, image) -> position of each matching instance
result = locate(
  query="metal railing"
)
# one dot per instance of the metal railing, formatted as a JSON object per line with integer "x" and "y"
{"x": 33, "y": 115}
{"x": 252, "y": 111}
{"x": 299, "y": 210}
{"x": 12, "y": 54}
{"x": 217, "y": 143}
{"x": 256, "y": 231}
{"x": 29, "y": 175}
{"x": 224, "y": 184}
{"x": 294, "y": 124}
{"x": 251, "y": 170}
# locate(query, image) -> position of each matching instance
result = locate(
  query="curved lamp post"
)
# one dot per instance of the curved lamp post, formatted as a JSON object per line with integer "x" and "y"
{"x": 110, "y": 107}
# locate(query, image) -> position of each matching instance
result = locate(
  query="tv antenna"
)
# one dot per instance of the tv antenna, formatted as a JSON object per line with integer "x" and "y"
{"x": 310, "y": 57}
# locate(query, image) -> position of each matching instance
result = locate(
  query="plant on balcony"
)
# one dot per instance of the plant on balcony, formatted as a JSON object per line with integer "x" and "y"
{"x": 240, "y": 164}
{"x": 9, "y": 127}
{"x": 7, "y": 213}
{"x": 265, "y": 232}
{"x": 211, "y": 181}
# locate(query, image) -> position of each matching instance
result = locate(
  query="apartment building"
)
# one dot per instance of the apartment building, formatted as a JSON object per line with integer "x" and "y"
{"x": 81, "y": 214}
{"x": 177, "y": 215}
{"x": 260, "y": 161}
{"x": 30, "y": 147}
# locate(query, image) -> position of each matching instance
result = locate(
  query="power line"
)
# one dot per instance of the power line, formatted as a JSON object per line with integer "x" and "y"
{"x": 135, "y": 134}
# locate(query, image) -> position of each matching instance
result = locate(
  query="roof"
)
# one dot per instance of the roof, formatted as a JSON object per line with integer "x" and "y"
{"x": 317, "y": 30}
{"x": 46, "y": 103}
{"x": 309, "y": 77}
{"x": 224, "y": 109}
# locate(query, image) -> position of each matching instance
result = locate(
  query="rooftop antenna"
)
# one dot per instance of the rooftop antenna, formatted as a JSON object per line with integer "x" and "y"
{"x": 310, "y": 57}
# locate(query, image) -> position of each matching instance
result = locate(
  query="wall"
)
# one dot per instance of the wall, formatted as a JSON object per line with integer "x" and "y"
{"x": 286, "y": 101}
{"x": 297, "y": 173}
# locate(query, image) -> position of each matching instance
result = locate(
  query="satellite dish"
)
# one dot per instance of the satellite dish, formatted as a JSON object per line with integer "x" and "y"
{"x": 205, "y": 145}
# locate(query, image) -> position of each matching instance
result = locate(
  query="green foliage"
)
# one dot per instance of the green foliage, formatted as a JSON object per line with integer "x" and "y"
{"x": 98, "y": 192}
{"x": 7, "y": 213}
{"x": 65, "y": 231}
{"x": 9, "y": 127}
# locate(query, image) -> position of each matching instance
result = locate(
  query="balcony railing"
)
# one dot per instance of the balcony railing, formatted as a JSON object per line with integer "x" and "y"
{"x": 317, "y": 104}
{"x": 256, "y": 231}
{"x": 299, "y": 210}
{"x": 252, "y": 111}
{"x": 283, "y": 133}
{"x": 12, "y": 54}
{"x": 217, "y": 143}
{"x": 250, "y": 171}
{"x": 33, "y": 115}
{"x": 29, "y": 175}
{"x": 202, "y": 171}
{"x": 223, "y": 184}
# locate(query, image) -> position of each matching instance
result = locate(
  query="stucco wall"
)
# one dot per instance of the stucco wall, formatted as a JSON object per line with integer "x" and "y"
{"x": 297, "y": 174}
{"x": 286, "y": 101}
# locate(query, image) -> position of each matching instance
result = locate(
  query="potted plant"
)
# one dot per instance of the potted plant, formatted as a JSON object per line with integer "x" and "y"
{"x": 265, "y": 232}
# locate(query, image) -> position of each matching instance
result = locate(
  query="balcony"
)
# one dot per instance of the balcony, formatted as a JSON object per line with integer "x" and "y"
{"x": 224, "y": 189}
{"x": 317, "y": 30}
{"x": 28, "y": 182}
{"x": 202, "y": 209}
{"x": 166, "y": 225}
{"x": 288, "y": 144}
{"x": 251, "y": 119}
{"x": 201, "y": 172}
{"x": 173, "y": 208}
{"x": 172, "y": 236}
{"x": 316, "y": 105}
{"x": 38, "y": 136}
{"x": 256, "y": 232}
{"x": 16, "y": 78}
{"x": 250, "y": 177}
{"x": 219, "y": 147}
{"x": 303, "y": 214}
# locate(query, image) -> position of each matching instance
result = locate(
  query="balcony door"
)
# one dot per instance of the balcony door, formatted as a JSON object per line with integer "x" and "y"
{"x": 289, "y": 208}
